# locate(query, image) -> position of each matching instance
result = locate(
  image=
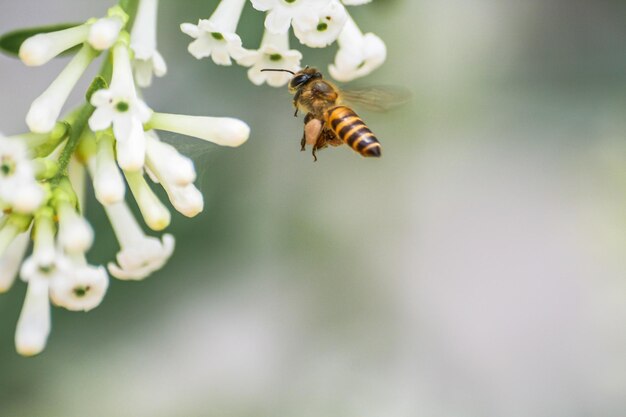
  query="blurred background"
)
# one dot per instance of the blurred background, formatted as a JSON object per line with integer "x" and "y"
{"x": 477, "y": 269}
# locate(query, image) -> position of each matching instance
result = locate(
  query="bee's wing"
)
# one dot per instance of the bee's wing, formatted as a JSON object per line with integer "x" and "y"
{"x": 376, "y": 98}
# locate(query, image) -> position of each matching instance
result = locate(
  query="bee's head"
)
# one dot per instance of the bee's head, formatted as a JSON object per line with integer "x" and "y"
{"x": 300, "y": 78}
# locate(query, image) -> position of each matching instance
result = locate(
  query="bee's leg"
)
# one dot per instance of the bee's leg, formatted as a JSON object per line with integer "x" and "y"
{"x": 296, "y": 98}
{"x": 303, "y": 142}
{"x": 313, "y": 153}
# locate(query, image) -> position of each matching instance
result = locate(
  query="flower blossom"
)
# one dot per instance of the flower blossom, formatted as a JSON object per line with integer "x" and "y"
{"x": 143, "y": 43}
{"x": 18, "y": 187}
{"x": 330, "y": 22}
{"x": 358, "y": 54}
{"x": 140, "y": 255}
{"x": 215, "y": 37}
{"x": 113, "y": 138}
{"x": 274, "y": 52}
{"x": 302, "y": 14}
{"x": 120, "y": 107}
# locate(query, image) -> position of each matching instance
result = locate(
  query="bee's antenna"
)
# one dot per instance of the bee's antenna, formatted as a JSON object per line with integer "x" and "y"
{"x": 276, "y": 69}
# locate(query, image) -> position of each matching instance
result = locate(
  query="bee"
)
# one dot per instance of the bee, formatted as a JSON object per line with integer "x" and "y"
{"x": 328, "y": 120}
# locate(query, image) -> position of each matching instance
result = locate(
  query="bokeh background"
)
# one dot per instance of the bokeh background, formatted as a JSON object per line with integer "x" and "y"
{"x": 477, "y": 270}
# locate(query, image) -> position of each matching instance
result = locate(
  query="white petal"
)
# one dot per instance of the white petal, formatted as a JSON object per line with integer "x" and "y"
{"x": 131, "y": 152}
{"x": 101, "y": 118}
{"x": 226, "y": 131}
{"x": 11, "y": 259}
{"x": 190, "y": 29}
{"x": 277, "y": 21}
{"x": 41, "y": 48}
{"x": 33, "y": 325}
{"x": 82, "y": 290}
{"x": 104, "y": 32}
{"x": 75, "y": 233}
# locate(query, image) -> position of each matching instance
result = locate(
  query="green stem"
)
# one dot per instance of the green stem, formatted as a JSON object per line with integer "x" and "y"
{"x": 130, "y": 7}
{"x": 76, "y": 131}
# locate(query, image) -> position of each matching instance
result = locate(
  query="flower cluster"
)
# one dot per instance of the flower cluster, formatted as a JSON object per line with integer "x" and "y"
{"x": 315, "y": 23}
{"x": 113, "y": 138}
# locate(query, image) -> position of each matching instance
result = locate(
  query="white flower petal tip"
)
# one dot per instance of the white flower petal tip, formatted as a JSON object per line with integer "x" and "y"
{"x": 154, "y": 213}
{"x": 107, "y": 179}
{"x": 83, "y": 290}
{"x": 33, "y": 325}
{"x": 331, "y": 20}
{"x": 358, "y": 54}
{"x": 42, "y": 115}
{"x": 27, "y": 198}
{"x": 225, "y": 131}
{"x": 355, "y": 2}
{"x": 167, "y": 163}
{"x": 75, "y": 233}
{"x": 104, "y": 32}
{"x": 187, "y": 200}
{"x": 138, "y": 261}
{"x": 41, "y": 48}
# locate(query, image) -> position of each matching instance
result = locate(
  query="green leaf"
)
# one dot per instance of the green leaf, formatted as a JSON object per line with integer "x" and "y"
{"x": 10, "y": 42}
{"x": 98, "y": 83}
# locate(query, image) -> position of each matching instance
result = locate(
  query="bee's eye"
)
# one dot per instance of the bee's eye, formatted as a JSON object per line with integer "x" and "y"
{"x": 298, "y": 80}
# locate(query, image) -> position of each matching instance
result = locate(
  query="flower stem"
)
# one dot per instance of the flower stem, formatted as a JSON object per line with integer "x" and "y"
{"x": 76, "y": 131}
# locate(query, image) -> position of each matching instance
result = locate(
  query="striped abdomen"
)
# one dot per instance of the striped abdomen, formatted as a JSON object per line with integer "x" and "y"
{"x": 352, "y": 130}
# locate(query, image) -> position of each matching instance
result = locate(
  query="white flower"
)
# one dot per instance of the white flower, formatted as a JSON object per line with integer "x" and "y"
{"x": 119, "y": 106}
{"x": 172, "y": 166}
{"x": 358, "y": 54}
{"x": 41, "y": 48}
{"x": 43, "y": 266}
{"x": 225, "y": 131}
{"x": 33, "y": 326}
{"x": 175, "y": 173}
{"x": 301, "y": 14}
{"x": 147, "y": 59}
{"x": 104, "y": 32}
{"x": 140, "y": 255}
{"x": 75, "y": 233}
{"x": 155, "y": 214}
{"x": 331, "y": 20}
{"x": 82, "y": 289}
{"x": 46, "y": 262}
{"x": 18, "y": 187}
{"x": 107, "y": 179}
{"x": 274, "y": 53}
{"x": 355, "y": 2}
{"x": 216, "y": 37}
{"x": 45, "y": 110}
{"x": 11, "y": 259}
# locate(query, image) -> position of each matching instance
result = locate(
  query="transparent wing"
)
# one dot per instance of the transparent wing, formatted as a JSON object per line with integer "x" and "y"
{"x": 376, "y": 98}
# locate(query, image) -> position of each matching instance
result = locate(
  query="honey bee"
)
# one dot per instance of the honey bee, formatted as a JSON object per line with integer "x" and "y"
{"x": 328, "y": 121}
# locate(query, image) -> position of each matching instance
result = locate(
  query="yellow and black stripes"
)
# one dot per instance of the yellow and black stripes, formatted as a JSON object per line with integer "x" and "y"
{"x": 349, "y": 127}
